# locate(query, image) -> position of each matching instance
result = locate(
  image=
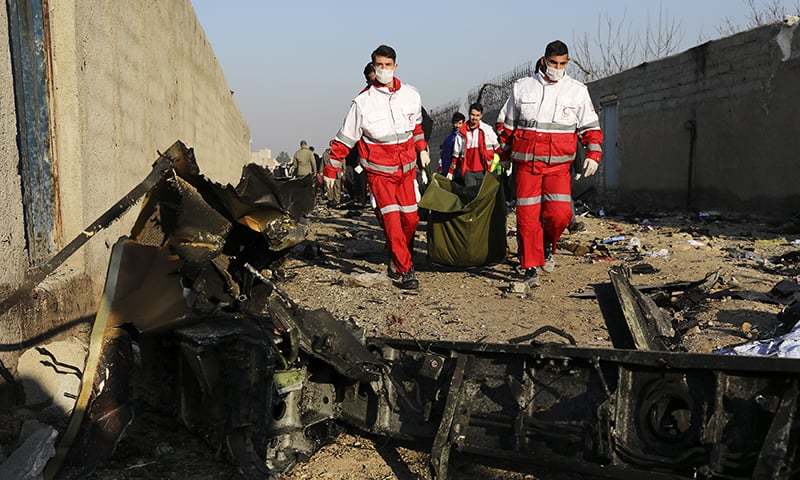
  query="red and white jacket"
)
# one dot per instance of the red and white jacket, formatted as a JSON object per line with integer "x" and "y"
{"x": 474, "y": 149}
{"x": 386, "y": 124}
{"x": 542, "y": 121}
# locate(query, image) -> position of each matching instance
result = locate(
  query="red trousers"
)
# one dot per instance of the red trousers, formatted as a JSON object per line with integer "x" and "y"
{"x": 544, "y": 208}
{"x": 397, "y": 208}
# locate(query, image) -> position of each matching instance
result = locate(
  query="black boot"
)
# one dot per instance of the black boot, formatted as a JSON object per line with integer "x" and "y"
{"x": 408, "y": 281}
{"x": 531, "y": 278}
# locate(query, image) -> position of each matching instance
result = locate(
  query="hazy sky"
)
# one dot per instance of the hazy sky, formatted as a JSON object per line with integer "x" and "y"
{"x": 295, "y": 66}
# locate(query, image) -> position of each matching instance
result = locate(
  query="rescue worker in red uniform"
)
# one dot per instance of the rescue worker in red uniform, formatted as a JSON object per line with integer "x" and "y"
{"x": 474, "y": 148}
{"x": 385, "y": 125}
{"x": 542, "y": 121}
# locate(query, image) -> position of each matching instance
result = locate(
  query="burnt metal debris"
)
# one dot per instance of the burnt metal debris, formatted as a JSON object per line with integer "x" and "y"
{"x": 224, "y": 349}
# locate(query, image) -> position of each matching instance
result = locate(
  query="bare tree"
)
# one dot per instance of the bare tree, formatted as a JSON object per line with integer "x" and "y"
{"x": 663, "y": 38}
{"x": 616, "y": 46}
{"x": 759, "y": 13}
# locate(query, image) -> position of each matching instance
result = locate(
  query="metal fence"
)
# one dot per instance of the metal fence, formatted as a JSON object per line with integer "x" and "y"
{"x": 492, "y": 95}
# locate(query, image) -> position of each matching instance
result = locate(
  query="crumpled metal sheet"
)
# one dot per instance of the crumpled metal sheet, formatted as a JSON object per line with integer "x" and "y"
{"x": 194, "y": 254}
{"x": 259, "y": 188}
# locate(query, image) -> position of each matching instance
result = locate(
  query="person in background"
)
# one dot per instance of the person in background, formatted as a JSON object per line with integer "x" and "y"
{"x": 474, "y": 148}
{"x": 333, "y": 190}
{"x": 446, "y": 148}
{"x": 303, "y": 162}
{"x": 369, "y": 74}
{"x": 317, "y": 159}
{"x": 318, "y": 172}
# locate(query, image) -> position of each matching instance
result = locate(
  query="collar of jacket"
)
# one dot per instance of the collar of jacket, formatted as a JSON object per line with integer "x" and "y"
{"x": 395, "y": 86}
{"x": 466, "y": 128}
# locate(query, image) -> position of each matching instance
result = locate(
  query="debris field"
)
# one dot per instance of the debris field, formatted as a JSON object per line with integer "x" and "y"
{"x": 245, "y": 333}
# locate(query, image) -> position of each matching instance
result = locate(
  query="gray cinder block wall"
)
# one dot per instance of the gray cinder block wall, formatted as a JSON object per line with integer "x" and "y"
{"x": 738, "y": 98}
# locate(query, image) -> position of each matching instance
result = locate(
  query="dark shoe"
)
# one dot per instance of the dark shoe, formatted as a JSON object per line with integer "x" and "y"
{"x": 531, "y": 278}
{"x": 408, "y": 281}
{"x": 393, "y": 274}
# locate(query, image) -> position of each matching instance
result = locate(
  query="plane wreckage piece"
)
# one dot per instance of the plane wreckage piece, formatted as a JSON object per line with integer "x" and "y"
{"x": 650, "y": 327}
{"x": 598, "y": 412}
{"x": 198, "y": 250}
{"x": 595, "y": 412}
{"x": 267, "y": 382}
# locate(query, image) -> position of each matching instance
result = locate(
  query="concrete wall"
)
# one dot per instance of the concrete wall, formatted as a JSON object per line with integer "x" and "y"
{"x": 743, "y": 99}
{"x": 12, "y": 233}
{"x": 129, "y": 78}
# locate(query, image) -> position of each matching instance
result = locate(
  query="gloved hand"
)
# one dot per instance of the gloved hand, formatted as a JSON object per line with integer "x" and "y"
{"x": 449, "y": 176}
{"x": 424, "y": 159}
{"x": 329, "y": 182}
{"x": 589, "y": 167}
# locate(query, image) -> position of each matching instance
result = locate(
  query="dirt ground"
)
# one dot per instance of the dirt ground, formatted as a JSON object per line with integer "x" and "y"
{"x": 474, "y": 305}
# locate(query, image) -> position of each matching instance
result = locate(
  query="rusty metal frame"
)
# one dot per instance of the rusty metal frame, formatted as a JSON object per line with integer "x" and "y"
{"x": 29, "y": 35}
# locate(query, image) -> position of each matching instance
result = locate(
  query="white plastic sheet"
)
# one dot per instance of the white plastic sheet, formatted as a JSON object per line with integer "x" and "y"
{"x": 784, "y": 346}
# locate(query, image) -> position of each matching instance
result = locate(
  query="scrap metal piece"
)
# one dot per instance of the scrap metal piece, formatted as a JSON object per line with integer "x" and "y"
{"x": 110, "y": 412}
{"x": 586, "y": 411}
{"x": 185, "y": 265}
{"x": 224, "y": 377}
{"x": 146, "y": 288}
{"x": 663, "y": 406}
{"x": 541, "y": 331}
{"x": 320, "y": 335}
{"x": 773, "y": 460}
{"x": 103, "y": 319}
{"x": 442, "y": 442}
{"x": 670, "y": 287}
{"x": 258, "y": 187}
{"x": 432, "y": 366}
{"x": 650, "y": 326}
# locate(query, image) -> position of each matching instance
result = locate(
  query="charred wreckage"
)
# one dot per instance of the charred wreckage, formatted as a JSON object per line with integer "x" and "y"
{"x": 191, "y": 309}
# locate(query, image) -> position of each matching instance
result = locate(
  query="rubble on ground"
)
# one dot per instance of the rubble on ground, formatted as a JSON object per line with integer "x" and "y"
{"x": 198, "y": 322}
{"x": 29, "y": 460}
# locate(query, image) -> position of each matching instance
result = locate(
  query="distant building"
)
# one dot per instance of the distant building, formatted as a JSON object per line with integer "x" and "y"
{"x": 264, "y": 158}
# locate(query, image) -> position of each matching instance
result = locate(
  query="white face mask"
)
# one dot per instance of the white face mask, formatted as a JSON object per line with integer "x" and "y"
{"x": 555, "y": 74}
{"x": 384, "y": 76}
